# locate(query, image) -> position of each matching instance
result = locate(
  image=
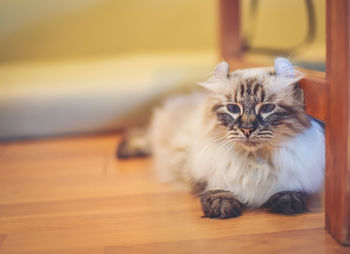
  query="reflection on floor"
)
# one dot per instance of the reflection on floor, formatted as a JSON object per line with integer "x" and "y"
{"x": 72, "y": 196}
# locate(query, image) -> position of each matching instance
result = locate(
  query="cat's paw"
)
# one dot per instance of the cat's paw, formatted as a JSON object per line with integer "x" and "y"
{"x": 287, "y": 202}
{"x": 134, "y": 144}
{"x": 220, "y": 204}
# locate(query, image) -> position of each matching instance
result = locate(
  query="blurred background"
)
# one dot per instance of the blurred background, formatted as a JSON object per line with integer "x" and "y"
{"x": 86, "y": 66}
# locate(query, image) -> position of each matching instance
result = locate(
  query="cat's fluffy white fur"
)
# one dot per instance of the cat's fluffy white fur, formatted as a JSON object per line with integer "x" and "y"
{"x": 184, "y": 149}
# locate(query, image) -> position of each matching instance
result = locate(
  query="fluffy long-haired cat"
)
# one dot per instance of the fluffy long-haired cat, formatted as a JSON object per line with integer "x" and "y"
{"x": 245, "y": 142}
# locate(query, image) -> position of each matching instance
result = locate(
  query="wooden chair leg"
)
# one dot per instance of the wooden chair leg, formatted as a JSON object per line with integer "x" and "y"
{"x": 337, "y": 203}
{"x": 230, "y": 35}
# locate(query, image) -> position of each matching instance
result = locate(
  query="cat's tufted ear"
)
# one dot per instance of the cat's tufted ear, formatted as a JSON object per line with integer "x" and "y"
{"x": 284, "y": 68}
{"x": 287, "y": 79}
{"x": 218, "y": 81}
{"x": 221, "y": 70}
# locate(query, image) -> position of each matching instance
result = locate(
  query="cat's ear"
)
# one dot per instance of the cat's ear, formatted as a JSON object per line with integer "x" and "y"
{"x": 284, "y": 68}
{"x": 221, "y": 70}
{"x": 287, "y": 79}
{"x": 217, "y": 82}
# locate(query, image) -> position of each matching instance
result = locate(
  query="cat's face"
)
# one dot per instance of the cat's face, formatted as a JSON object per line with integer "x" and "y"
{"x": 257, "y": 107}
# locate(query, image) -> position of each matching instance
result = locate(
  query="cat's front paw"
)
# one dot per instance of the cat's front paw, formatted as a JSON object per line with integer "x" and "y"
{"x": 220, "y": 204}
{"x": 287, "y": 202}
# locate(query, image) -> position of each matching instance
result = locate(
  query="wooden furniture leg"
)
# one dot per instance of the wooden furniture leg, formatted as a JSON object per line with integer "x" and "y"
{"x": 230, "y": 35}
{"x": 337, "y": 203}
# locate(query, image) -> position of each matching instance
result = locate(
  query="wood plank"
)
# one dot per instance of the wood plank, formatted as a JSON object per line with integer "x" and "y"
{"x": 315, "y": 94}
{"x": 85, "y": 167}
{"x": 92, "y": 250}
{"x": 2, "y": 238}
{"x": 139, "y": 226}
{"x": 337, "y": 205}
{"x": 229, "y": 29}
{"x": 77, "y": 186}
{"x": 301, "y": 241}
{"x": 116, "y": 204}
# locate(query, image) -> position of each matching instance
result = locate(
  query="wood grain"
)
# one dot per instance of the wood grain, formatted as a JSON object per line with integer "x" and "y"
{"x": 315, "y": 94}
{"x": 2, "y": 238}
{"x": 280, "y": 242}
{"x": 72, "y": 196}
{"x": 337, "y": 203}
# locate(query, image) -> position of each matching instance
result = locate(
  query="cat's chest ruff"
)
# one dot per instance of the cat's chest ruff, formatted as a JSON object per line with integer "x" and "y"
{"x": 251, "y": 178}
{"x": 249, "y": 170}
{"x": 240, "y": 169}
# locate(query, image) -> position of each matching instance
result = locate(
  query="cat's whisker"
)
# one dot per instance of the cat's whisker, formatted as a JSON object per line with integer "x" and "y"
{"x": 225, "y": 144}
{"x": 220, "y": 138}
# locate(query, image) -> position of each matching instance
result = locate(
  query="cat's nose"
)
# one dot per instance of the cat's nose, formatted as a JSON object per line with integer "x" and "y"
{"x": 247, "y": 131}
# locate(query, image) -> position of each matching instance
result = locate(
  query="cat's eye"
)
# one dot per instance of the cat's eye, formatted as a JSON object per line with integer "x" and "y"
{"x": 267, "y": 108}
{"x": 234, "y": 108}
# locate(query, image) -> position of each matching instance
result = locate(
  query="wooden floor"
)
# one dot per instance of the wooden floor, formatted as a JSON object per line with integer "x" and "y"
{"x": 72, "y": 196}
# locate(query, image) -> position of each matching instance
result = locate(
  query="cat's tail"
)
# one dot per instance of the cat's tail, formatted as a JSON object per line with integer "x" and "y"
{"x": 135, "y": 143}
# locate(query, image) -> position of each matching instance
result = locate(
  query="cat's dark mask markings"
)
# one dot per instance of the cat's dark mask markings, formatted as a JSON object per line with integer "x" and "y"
{"x": 260, "y": 113}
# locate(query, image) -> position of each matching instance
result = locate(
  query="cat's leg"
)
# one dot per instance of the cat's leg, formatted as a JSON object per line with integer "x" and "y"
{"x": 197, "y": 187}
{"x": 134, "y": 144}
{"x": 287, "y": 202}
{"x": 220, "y": 204}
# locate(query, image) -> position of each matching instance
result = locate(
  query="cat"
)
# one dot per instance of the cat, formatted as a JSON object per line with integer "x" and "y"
{"x": 243, "y": 142}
